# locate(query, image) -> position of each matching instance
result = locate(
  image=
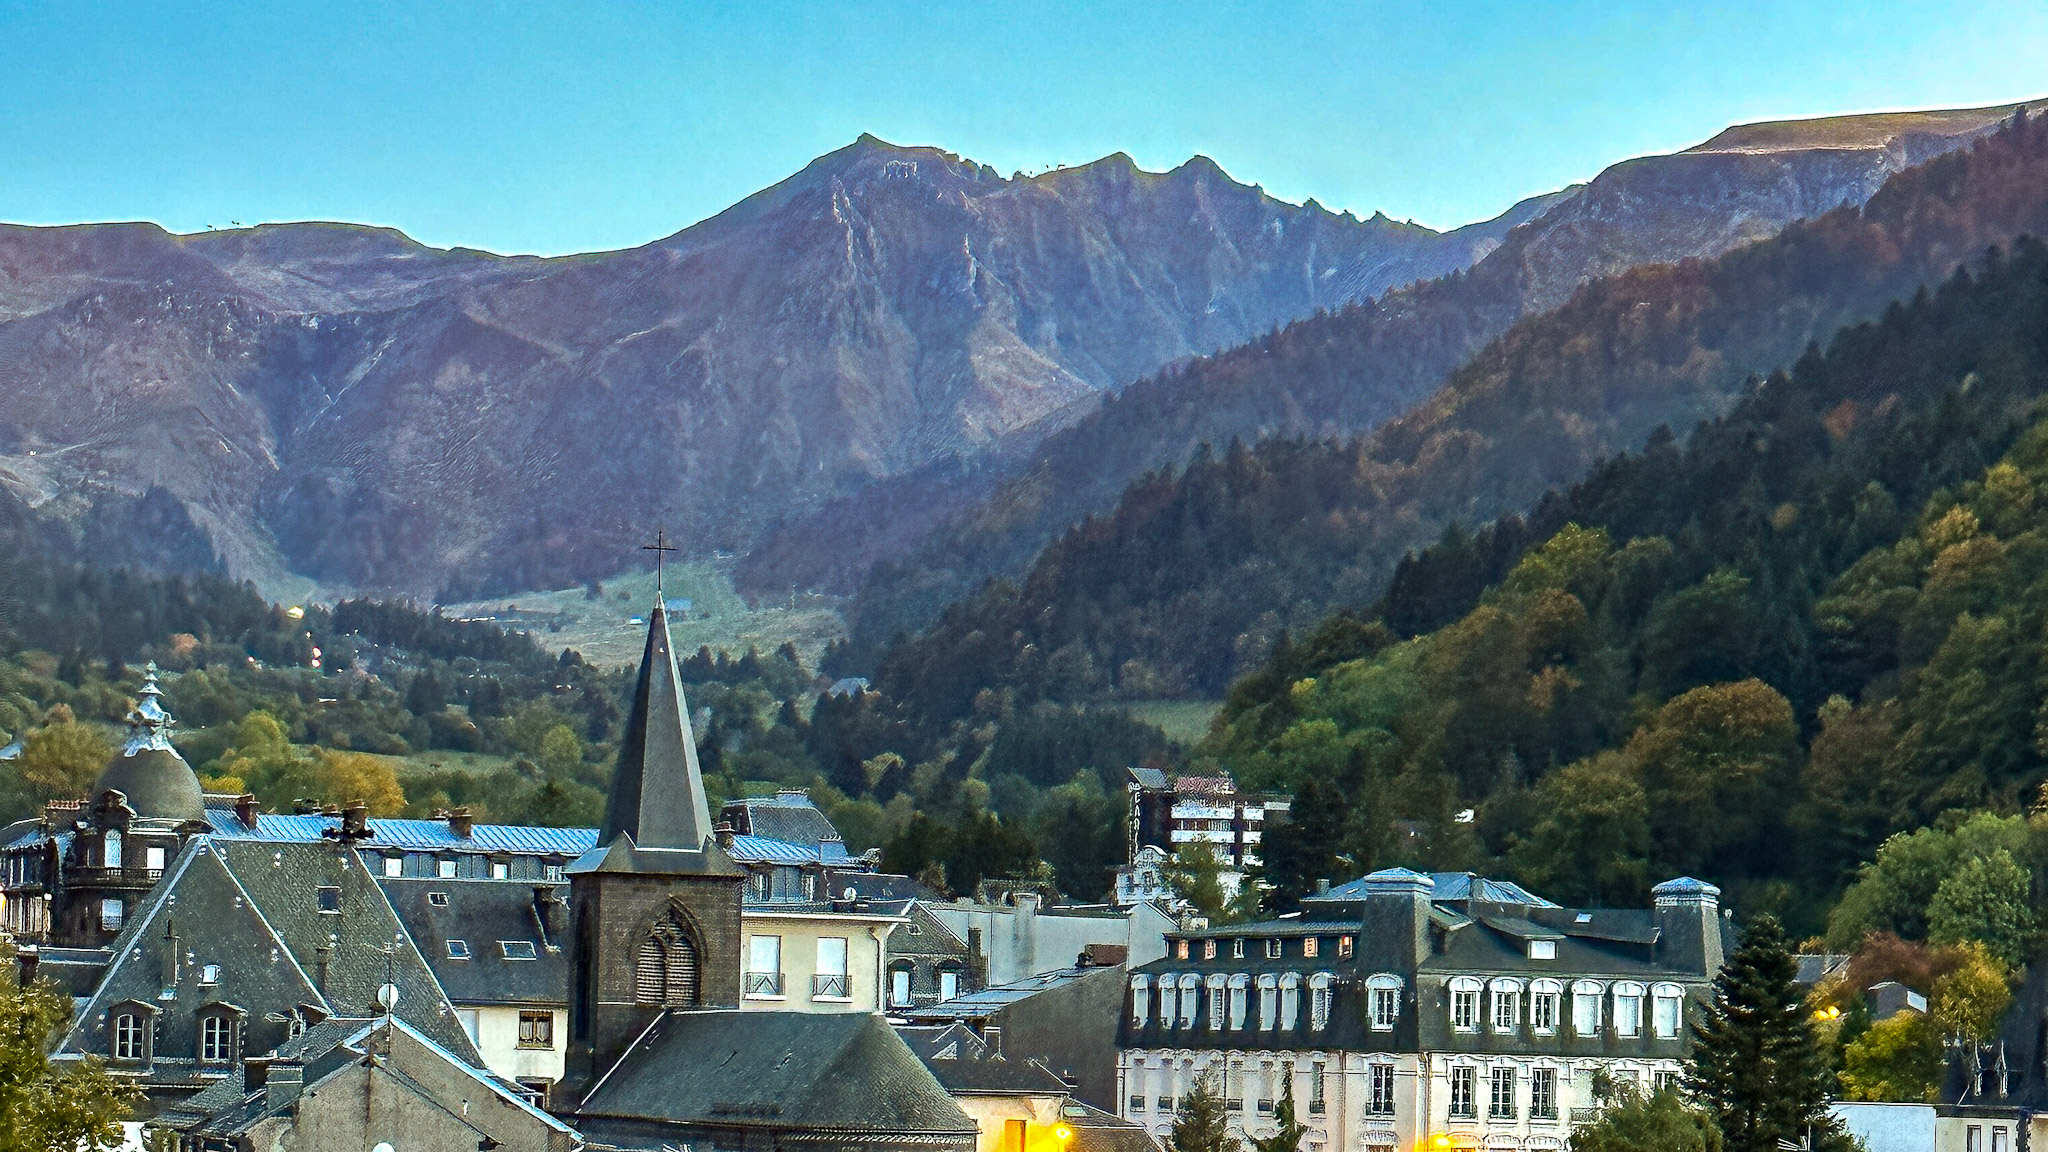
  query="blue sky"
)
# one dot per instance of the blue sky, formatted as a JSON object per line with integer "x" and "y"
{"x": 543, "y": 127}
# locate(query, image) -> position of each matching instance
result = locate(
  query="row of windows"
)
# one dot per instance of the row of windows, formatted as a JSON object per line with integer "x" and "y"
{"x": 1502, "y": 1084}
{"x": 1229, "y": 1000}
{"x": 446, "y": 868}
{"x": 1272, "y": 947}
{"x": 112, "y": 853}
{"x": 900, "y": 985}
{"x": 1543, "y": 1001}
{"x": 129, "y": 1037}
{"x": 829, "y": 979}
{"x": 1237, "y": 1082}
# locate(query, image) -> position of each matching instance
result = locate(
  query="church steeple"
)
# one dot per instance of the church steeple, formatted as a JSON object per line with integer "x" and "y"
{"x": 657, "y": 794}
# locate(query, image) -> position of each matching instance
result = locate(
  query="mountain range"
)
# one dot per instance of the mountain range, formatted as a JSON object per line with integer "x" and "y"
{"x": 897, "y": 331}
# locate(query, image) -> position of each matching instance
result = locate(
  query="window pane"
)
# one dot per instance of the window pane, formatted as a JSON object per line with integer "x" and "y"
{"x": 832, "y": 956}
{"x": 764, "y": 953}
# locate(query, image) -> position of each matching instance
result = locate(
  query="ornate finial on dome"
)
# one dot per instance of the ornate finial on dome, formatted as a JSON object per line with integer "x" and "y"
{"x": 149, "y": 724}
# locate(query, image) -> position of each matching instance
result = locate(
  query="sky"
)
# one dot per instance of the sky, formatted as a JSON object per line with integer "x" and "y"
{"x": 552, "y": 128}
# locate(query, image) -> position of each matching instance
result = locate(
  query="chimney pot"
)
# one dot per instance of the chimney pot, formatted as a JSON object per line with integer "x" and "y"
{"x": 723, "y": 833}
{"x": 460, "y": 822}
{"x": 245, "y": 810}
{"x": 1323, "y": 886}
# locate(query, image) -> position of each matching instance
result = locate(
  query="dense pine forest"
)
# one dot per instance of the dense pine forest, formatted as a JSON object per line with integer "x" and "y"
{"x": 1197, "y": 572}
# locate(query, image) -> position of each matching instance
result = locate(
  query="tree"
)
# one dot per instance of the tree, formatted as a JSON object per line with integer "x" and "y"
{"x": 60, "y": 761}
{"x": 1287, "y": 1131}
{"x": 1202, "y": 1124}
{"x": 1900, "y": 1059}
{"x": 1660, "y": 1122}
{"x": 1591, "y": 839}
{"x": 80, "y": 1107}
{"x": 1985, "y": 901}
{"x": 1306, "y": 847}
{"x": 1197, "y": 877}
{"x": 560, "y": 751}
{"x": 1756, "y": 1065}
{"x": 1971, "y": 998}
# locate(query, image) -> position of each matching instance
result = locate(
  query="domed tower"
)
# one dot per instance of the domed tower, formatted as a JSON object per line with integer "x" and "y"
{"x": 140, "y": 811}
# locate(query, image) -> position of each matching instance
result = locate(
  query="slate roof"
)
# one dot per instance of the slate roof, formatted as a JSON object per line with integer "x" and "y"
{"x": 252, "y": 909}
{"x": 158, "y": 783}
{"x": 762, "y": 850}
{"x": 483, "y": 914}
{"x": 966, "y": 1066}
{"x": 982, "y": 1002}
{"x": 787, "y": 815}
{"x": 826, "y": 1072}
{"x": 657, "y": 792}
{"x": 76, "y": 970}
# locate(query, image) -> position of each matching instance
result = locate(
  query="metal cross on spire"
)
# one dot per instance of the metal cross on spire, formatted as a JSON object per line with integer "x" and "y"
{"x": 659, "y": 546}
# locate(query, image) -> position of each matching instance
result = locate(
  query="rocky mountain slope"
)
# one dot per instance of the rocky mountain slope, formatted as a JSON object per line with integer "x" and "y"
{"x": 346, "y": 404}
{"x": 1352, "y": 369}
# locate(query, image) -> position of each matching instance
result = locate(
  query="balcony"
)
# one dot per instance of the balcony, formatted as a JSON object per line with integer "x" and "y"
{"x": 831, "y": 987}
{"x": 762, "y": 983}
{"x": 1584, "y": 1115}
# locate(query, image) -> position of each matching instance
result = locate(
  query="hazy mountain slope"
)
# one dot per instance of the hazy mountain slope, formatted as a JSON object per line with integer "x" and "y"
{"x": 1350, "y": 370}
{"x": 344, "y": 403}
{"x": 1195, "y": 572}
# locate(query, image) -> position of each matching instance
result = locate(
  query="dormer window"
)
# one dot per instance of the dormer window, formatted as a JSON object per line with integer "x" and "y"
{"x": 1345, "y": 944}
{"x": 1542, "y": 949}
{"x": 1310, "y": 946}
{"x": 458, "y": 949}
{"x": 128, "y": 1034}
{"x": 1273, "y": 949}
{"x": 1544, "y": 997}
{"x": 445, "y": 868}
{"x": 1464, "y": 1004}
{"x": 1666, "y": 1007}
{"x": 1507, "y": 1005}
{"x": 1237, "y": 948}
{"x": 394, "y": 866}
{"x": 1320, "y": 995}
{"x": 209, "y": 974}
{"x": 1383, "y": 1002}
{"x": 1628, "y": 1009}
{"x": 1180, "y": 949}
{"x": 1208, "y": 949}
{"x": 1586, "y": 997}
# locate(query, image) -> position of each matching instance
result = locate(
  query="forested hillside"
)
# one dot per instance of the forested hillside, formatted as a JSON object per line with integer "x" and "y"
{"x": 1752, "y": 657}
{"x": 1196, "y": 573}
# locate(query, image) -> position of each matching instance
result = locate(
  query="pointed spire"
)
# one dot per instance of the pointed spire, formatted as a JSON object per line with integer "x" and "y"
{"x": 657, "y": 793}
{"x": 149, "y": 724}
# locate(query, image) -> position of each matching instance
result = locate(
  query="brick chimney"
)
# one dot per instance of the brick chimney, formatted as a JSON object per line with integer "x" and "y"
{"x": 460, "y": 822}
{"x": 1394, "y": 928}
{"x": 245, "y": 810}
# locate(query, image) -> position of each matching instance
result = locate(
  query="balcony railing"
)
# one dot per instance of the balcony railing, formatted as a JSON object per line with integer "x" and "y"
{"x": 1585, "y": 1115}
{"x": 763, "y": 984}
{"x": 833, "y": 987}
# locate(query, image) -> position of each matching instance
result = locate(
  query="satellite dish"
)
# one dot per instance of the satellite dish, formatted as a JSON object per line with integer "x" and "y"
{"x": 388, "y": 997}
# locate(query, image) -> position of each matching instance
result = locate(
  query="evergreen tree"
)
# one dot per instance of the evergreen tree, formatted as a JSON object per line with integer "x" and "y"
{"x": 1305, "y": 848}
{"x": 1660, "y": 1122}
{"x": 1202, "y": 1124}
{"x": 80, "y": 1107}
{"x": 1756, "y": 1064}
{"x": 1287, "y": 1131}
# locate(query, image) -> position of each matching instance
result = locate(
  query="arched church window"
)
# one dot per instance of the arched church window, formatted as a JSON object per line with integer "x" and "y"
{"x": 665, "y": 966}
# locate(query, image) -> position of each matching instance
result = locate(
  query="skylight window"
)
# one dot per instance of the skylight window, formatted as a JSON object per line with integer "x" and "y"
{"x": 330, "y": 899}
{"x": 458, "y": 949}
{"x": 517, "y": 949}
{"x": 438, "y": 899}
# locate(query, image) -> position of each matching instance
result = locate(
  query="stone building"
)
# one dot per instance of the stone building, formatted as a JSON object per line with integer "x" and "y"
{"x": 1419, "y": 1011}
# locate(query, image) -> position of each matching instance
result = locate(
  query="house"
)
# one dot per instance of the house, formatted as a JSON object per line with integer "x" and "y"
{"x": 1018, "y": 1104}
{"x": 1065, "y": 1020}
{"x": 1017, "y": 936}
{"x": 351, "y": 1083}
{"x": 242, "y": 946}
{"x": 1166, "y": 815}
{"x": 1409, "y": 1010}
{"x": 497, "y": 950}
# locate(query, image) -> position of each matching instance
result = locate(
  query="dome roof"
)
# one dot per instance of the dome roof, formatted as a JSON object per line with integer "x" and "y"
{"x": 156, "y": 780}
{"x": 158, "y": 783}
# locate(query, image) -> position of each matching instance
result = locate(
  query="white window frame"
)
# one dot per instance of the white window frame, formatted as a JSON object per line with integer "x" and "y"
{"x": 394, "y": 866}
{"x": 765, "y": 948}
{"x": 834, "y": 963}
{"x": 1628, "y": 1008}
{"x": 128, "y": 1035}
{"x": 1464, "y": 1006}
{"x": 1240, "y": 996}
{"x": 1379, "y": 1076}
{"x": 1539, "y": 1108}
{"x": 1322, "y": 997}
{"x": 1498, "y": 1108}
{"x": 1589, "y": 1000}
{"x": 1506, "y": 1014}
{"x": 1188, "y": 1001}
{"x": 949, "y": 983}
{"x": 1290, "y": 1000}
{"x": 216, "y": 1038}
{"x": 1383, "y": 1002}
{"x": 1141, "y": 997}
{"x": 1546, "y": 999}
{"x": 1464, "y": 1076}
{"x": 1667, "y": 998}
{"x": 1216, "y": 983}
{"x": 1269, "y": 1001}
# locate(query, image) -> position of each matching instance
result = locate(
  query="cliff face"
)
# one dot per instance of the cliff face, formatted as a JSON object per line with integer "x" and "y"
{"x": 346, "y": 404}
{"x": 1351, "y": 370}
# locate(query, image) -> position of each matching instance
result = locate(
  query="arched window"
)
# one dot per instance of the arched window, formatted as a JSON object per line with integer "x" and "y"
{"x": 1320, "y": 994}
{"x": 129, "y": 1039}
{"x": 1290, "y": 1000}
{"x": 1141, "y": 1000}
{"x": 1628, "y": 1008}
{"x": 1383, "y": 1001}
{"x": 900, "y": 976}
{"x": 1586, "y": 997}
{"x": 665, "y": 966}
{"x": 1185, "y": 1013}
{"x": 216, "y": 1037}
{"x": 1666, "y": 1001}
{"x": 1269, "y": 1001}
{"x": 1544, "y": 998}
{"x": 1216, "y": 982}
{"x": 1507, "y": 1004}
{"x": 1464, "y": 1003}
{"x": 110, "y": 848}
{"x": 1240, "y": 991}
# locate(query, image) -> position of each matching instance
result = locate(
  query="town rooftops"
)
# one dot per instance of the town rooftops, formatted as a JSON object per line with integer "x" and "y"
{"x": 788, "y": 816}
{"x": 968, "y": 1066}
{"x": 769, "y": 1072}
{"x": 407, "y": 835}
{"x": 488, "y": 942}
{"x": 982, "y": 1002}
{"x": 1446, "y": 887}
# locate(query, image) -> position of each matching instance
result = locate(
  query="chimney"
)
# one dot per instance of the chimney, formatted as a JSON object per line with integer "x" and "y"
{"x": 722, "y": 832}
{"x": 1689, "y": 924}
{"x": 320, "y": 956}
{"x": 993, "y": 1037}
{"x": 551, "y": 914}
{"x": 460, "y": 822}
{"x": 355, "y": 820}
{"x": 1394, "y": 927}
{"x": 283, "y": 1080}
{"x": 245, "y": 810}
{"x": 27, "y": 959}
{"x": 1323, "y": 886}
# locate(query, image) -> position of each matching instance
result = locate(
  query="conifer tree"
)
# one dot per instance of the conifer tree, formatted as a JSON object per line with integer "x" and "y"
{"x": 1202, "y": 1124}
{"x": 1287, "y": 1131}
{"x": 1756, "y": 1064}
